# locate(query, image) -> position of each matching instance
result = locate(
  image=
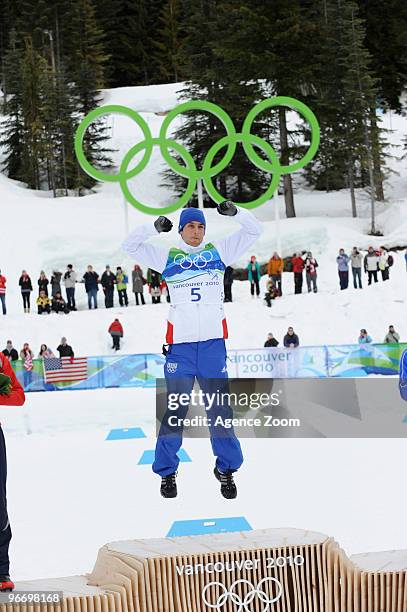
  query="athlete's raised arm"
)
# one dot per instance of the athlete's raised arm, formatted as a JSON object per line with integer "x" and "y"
{"x": 150, "y": 255}
{"x": 234, "y": 246}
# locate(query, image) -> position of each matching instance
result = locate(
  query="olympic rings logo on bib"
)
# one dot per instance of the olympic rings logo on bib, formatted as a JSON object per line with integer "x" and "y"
{"x": 189, "y": 171}
{"x": 199, "y": 261}
{"x": 241, "y": 604}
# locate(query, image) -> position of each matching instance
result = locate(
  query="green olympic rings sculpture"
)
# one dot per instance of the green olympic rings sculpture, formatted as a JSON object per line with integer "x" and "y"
{"x": 190, "y": 171}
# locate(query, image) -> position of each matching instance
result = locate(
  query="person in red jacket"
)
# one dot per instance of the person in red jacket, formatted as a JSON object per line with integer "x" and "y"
{"x": 116, "y": 331}
{"x": 3, "y": 292}
{"x": 11, "y": 394}
{"x": 298, "y": 267}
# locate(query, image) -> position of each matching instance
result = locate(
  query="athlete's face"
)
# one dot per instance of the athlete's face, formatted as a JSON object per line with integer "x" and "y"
{"x": 193, "y": 233}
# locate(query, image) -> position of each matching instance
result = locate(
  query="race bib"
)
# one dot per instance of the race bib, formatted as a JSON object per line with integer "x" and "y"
{"x": 195, "y": 277}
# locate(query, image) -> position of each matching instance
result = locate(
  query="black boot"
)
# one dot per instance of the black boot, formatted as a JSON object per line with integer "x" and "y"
{"x": 169, "y": 486}
{"x": 6, "y": 584}
{"x": 228, "y": 487}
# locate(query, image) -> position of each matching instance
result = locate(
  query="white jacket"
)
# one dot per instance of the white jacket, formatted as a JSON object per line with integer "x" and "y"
{"x": 194, "y": 276}
{"x": 70, "y": 280}
{"x": 384, "y": 260}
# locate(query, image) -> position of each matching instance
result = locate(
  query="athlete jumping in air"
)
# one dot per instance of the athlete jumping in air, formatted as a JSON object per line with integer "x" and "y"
{"x": 196, "y": 328}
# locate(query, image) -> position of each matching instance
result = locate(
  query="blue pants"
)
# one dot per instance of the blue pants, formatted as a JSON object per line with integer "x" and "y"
{"x": 3, "y": 302}
{"x": 207, "y": 362}
{"x": 92, "y": 297}
{"x": 357, "y": 276}
{"x": 70, "y": 297}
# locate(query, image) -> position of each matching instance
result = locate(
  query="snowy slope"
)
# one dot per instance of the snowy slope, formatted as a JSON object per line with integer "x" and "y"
{"x": 97, "y": 491}
{"x": 39, "y": 232}
{"x": 70, "y": 491}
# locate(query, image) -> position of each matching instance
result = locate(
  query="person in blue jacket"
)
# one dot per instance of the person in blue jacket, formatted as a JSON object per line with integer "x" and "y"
{"x": 364, "y": 337}
{"x": 196, "y": 330}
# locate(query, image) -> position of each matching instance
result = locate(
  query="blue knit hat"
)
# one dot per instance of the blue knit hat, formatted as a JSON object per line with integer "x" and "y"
{"x": 190, "y": 214}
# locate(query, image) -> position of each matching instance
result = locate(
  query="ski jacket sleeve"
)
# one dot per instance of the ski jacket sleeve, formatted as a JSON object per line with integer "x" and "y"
{"x": 234, "y": 246}
{"x": 150, "y": 255}
{"x": 16, "y": 397}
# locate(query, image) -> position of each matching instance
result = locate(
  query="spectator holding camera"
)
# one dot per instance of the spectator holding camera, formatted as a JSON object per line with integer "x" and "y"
{"x": 356, "y": 264}
{"x": 364, "y": 337}
{"x": 69, "y": 282}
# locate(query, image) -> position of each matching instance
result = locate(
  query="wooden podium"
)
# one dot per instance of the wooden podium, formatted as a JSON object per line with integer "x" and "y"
{"x": 279, "y": 570}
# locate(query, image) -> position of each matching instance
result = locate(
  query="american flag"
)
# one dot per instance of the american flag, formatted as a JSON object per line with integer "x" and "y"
{"x": 65, "y": 369}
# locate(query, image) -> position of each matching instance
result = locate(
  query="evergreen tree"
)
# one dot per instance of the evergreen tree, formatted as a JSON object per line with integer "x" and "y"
{"x": 33, "y": 80}
{"x": 12, "y": 125}
{"x": 85, "y": 65}
{"x": 386, "y": 41}
{"x": 328, "y": 170}
{"x": 269, "y": 43}
{"x": 43, "y": 105}
{"x": 168, "y": 45}
{"x": 7, "y": 25}
{"x": 352, "y": 143}
{"x": 131, "y": 30}
{"x": 287, "y": 68}
{"x": 216, "y": 67}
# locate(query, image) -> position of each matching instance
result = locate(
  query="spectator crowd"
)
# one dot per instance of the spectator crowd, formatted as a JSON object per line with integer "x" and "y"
{"x": 26, "y": 354}
{"x": 50, "y": 296}
{"x": 376, "y": 264}
{"x": 291, "y": 339}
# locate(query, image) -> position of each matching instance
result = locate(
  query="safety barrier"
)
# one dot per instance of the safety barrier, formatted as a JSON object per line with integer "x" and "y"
{"x": 347, "y": 360}
{"x": 255, "y": 571}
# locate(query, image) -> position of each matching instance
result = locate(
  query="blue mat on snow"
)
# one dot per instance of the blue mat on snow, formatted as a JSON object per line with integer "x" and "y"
{"x": 147, "y": 458}
{"x": 127, "y": 433}
{"x": 210, "y": 525}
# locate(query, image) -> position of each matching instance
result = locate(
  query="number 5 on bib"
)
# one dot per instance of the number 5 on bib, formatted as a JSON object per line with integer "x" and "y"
{"x": 195, "y": 295}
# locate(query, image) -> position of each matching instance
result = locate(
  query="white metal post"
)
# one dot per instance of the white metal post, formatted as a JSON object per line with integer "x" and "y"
{"x": 200, "y": 194}
{"x": 125, "y": 204}
{"x": 277, "y": 220}
{"x": 126, "y": 217}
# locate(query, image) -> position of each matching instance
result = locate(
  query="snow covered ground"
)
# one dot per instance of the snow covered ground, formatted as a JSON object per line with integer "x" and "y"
{"x": 71, "y": 491}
